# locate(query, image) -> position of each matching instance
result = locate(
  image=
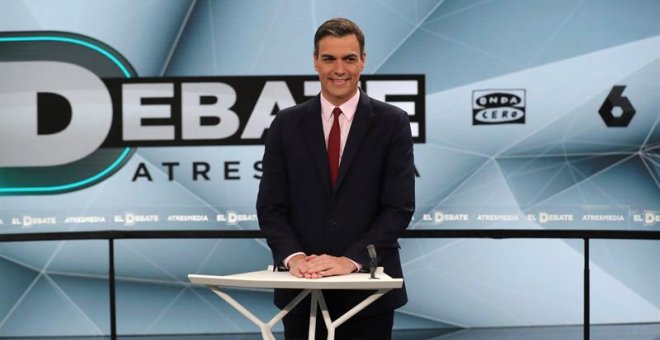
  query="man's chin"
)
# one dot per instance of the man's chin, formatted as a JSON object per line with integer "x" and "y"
{"x": 340, "y": 91}
{"x": 341, "y": 96}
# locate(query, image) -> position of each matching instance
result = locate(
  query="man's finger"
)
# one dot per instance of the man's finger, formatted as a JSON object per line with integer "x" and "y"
{"x": 329, "y": 272}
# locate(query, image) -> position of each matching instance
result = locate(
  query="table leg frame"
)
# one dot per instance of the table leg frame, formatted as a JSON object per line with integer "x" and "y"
{"x": 317, "y": 300}
{"x": 264, "y": 327}
{"x": 332, "y": 325}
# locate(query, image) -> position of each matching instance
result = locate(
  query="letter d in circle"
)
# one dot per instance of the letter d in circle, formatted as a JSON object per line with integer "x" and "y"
{"x": 23, "y": 142}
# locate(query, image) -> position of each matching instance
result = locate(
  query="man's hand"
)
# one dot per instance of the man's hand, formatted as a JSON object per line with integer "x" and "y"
{"x": 298, "y": 267}
{"x": 327, "y": 265}
{"x": 318, "y": 266}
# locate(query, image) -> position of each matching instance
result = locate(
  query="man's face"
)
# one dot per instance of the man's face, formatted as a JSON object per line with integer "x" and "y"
{"x": 339, "y": 64}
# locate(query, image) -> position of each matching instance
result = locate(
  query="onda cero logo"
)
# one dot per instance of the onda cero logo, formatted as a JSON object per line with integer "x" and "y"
{"x": 72, "y": 110}
{"x": 498, "y": 107}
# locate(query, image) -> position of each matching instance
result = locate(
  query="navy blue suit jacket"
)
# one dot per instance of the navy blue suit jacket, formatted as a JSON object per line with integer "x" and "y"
{"x": 372, "y": 202}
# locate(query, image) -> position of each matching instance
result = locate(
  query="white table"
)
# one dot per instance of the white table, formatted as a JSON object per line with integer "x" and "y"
{"x": 273, "y": 279}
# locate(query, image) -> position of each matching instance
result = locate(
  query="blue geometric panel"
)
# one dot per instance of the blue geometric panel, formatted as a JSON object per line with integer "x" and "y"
{"x": 90, "y": 295}
{"x": 533, "y": 180}
{"x": 633, "y": 262}
{"x": 604, "y": 188}
{"x": 15, "y": 281}
{"x": 53, "y": 310}
{"x": 147, "y": 308}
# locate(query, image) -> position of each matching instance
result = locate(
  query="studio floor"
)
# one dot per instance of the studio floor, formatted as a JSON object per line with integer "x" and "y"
{"x": 649, "y": 331}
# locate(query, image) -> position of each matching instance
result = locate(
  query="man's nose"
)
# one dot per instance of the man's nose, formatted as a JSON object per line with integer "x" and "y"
{"x": 339, "y": 68}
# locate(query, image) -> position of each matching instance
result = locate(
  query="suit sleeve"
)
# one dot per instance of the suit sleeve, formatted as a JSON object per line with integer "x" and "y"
{"x": 272, "y": 200}
{"x": 397, "y": 198}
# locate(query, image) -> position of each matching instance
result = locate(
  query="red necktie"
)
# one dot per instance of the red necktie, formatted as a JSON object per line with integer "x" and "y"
{"x": 333, "y": 147}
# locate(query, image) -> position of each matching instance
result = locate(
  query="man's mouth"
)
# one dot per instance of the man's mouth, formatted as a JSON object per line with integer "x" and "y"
{"x": 339, "y": 81}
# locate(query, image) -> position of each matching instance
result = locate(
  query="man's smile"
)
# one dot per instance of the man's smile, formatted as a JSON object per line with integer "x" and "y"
{"x": 339, "y": 81}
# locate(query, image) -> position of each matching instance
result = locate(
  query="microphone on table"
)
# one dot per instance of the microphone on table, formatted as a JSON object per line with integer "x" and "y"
{"x": 373, "y": 263}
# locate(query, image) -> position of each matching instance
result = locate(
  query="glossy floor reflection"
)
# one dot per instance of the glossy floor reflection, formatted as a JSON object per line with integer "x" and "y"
{"x": 602, "y": 332}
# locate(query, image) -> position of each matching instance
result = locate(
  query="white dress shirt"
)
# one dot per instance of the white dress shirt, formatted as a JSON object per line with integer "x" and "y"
{"x": 345, "y": 119}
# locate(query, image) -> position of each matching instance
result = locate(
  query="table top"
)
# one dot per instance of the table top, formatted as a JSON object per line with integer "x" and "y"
{"x": 273, "y": 279}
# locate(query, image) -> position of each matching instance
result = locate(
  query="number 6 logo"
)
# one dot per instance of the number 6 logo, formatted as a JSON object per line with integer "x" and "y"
{"x": 615, "y": 99}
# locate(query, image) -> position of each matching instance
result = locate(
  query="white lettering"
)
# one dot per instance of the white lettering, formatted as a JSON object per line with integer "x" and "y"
{"x": 233, "y": 218}
{"x": 30, "y": 221}
{"x": 440, "y": 217}
{"x": 91, "y": 113}
{"x": 545, "y": 217}
{"x": 84, "y": 219}
{"x": 603, "y": 218}
{"x": 650, "y": 218}
{"x": 131, "y": 219}
{"x": 379, "y": 89}
{"x": 274, "y": 93}
{"x": 187, "y": 218}
{"x": 134, "y": 111}
{"x": 504, "y": 217}
{"x": 192, "y": 111}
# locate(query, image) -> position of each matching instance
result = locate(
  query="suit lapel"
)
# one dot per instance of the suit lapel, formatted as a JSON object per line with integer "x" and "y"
{"x": 313, "y": 130}
{"x": 359, "y": 129}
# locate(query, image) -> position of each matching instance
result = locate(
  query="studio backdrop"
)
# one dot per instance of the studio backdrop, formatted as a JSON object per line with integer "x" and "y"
{"x": 151, "y": 115}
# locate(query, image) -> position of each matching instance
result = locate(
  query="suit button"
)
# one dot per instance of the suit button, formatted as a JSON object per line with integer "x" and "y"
{"x": 333, "y": 222}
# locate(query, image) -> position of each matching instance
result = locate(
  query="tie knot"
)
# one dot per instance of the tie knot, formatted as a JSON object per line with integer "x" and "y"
{"x": 336, "y": 112}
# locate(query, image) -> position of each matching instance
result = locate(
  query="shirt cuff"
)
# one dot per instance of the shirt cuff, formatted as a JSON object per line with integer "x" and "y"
{"x": 286, "y": 260}
{"x": 357, "y": 265}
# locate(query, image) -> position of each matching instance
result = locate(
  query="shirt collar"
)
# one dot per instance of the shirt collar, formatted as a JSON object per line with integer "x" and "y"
{"x": 348, "y": 108}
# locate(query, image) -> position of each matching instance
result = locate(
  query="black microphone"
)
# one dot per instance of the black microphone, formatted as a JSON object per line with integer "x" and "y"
{"x": 374, "y": 260}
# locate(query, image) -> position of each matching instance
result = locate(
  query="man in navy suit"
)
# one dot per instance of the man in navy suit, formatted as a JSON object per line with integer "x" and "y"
{"x": 338, "y": 175}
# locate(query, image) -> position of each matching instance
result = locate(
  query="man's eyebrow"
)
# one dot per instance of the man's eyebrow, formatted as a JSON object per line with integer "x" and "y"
{"x": 344, "y": 56}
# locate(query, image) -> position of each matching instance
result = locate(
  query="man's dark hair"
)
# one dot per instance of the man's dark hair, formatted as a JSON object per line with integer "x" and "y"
{"x": 338, "y": 27}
